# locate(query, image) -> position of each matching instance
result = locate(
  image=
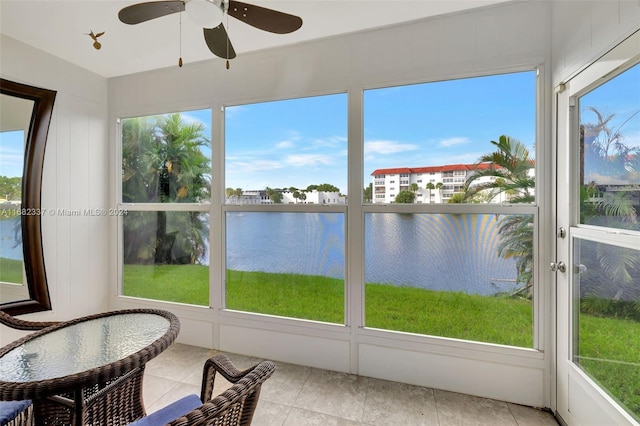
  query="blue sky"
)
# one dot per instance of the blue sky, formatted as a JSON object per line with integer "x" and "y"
{"x": 11, "y": 153}
{"x": 300, "y": 142}
{"x": 447, "y": 122}
{"x": 304, "y": 141}
{"x": 295, "y": 142}
{"x": 621, "y": 97}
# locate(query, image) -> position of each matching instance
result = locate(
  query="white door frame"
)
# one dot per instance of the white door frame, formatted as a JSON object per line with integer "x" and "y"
{"x": 579, "y": 400}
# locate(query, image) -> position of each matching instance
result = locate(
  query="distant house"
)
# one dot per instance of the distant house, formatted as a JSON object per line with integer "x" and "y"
{"x": 259, "y": 196}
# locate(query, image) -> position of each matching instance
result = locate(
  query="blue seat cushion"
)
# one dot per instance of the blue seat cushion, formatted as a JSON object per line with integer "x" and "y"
{"x": 9, "y": 410}
{"x": 170, "y": 412}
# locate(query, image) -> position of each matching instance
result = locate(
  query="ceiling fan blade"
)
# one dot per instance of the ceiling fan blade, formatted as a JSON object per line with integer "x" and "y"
{"x": 263, "y": 18}
{"x": 218, "y": 42}
{"x": 142, "y": 12}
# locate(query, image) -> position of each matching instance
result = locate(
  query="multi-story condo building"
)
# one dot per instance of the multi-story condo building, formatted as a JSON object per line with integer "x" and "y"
{"x": 259, "y": 196}
{"x": 446, "y": 181}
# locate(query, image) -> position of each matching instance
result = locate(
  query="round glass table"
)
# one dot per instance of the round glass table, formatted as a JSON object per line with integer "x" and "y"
{"x": 88, "y": 370}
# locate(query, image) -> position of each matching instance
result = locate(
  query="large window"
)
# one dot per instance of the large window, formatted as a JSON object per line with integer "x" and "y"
{"x": 448, "y": 218}
{"x": 166, "y": 186}
{"x": 285, "y": 180}
{"x": 444, "y": 256}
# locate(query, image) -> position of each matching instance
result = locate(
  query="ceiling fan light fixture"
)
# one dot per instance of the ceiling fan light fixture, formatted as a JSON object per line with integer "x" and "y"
{"x": 206, "y": 13}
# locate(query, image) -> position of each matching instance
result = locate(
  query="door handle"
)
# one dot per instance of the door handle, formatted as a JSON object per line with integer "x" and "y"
{"x": 560, "y": 266}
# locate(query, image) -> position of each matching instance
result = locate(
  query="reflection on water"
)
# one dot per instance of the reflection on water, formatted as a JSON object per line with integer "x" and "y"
{"x": 11, "y": 238}
{"x": 456, "y": 252}
{"x": 300, "y": 243}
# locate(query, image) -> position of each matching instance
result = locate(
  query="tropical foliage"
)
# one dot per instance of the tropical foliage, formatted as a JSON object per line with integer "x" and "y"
{"x": 163, "y": 162}
{"x": 609, "y": 197}
{"x": 274, "y": 195}
{"x": 11, "y": 188}
{"x": 405, "y": 197}
{"x": 607, "y": 158}
{"x": 509, "y": 169}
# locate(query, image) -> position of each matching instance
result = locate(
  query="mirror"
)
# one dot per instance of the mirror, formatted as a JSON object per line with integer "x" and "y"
{"x": 25, "y": 114}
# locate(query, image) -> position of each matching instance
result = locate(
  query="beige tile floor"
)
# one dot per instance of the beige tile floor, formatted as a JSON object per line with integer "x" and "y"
{"x": 298, "y": 396}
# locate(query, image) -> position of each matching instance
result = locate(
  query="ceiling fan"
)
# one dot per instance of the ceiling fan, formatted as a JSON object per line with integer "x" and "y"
{"x": 209, "y": 14}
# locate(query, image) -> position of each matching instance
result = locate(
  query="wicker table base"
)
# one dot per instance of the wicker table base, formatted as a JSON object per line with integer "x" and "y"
{"x": 115, "y": 403}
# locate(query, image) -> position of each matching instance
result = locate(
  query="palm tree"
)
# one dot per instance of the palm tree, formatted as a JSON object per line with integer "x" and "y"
{"x": 509, "y": 168}
{"x": 367, "y": 193}
{"x": 233, "y": 194}
{"x": 439, "y": 186}
{"x": 430, "y": 187}
{"x": 162, "y": 161}
{"x": 612, "y": 285}
{"x": 604, "y": 149}
{"x": 458, "y": 198}
{"x": 274, "y": 195}
{"x": 516, "y": 241}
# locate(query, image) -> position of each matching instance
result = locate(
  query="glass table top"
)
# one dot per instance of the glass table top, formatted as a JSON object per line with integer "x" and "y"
{"x": 82, "y": 346}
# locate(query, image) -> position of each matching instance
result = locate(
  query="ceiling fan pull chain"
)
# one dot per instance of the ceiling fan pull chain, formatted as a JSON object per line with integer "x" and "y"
{"x": 227, "y": 41}
{"x": 180, "y": 59}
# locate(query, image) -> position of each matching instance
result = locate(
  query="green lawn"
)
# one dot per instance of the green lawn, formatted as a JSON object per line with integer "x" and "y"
{"x": 610, "y": 354}
{"x": 484, "y": 318}
{"x": 172, "y": 283}
{"x": 458, "y": 315}
{"x": 609, "y": 347}
{"x": 10, "y": 270}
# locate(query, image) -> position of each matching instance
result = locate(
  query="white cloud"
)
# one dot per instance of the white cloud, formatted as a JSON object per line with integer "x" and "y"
{"x": 445, "y": 143}
{"x": 189, "y": 118}
{"x": 284, "y": 144}
{"x": 329, "y": 142}
{"x": 233, "y": 111}
{"x": 253, "y": 166}
{"x": 299, "y": 160}
{"x": 388, "y": 147}
{"x": 631, "y": 138}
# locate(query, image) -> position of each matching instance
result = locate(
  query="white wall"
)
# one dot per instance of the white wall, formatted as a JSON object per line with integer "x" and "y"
{"x": 582, "y": 31}
{"x": 75, "y": 176}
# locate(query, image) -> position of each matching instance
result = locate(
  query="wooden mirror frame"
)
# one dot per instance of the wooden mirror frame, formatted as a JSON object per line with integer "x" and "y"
{"x": 32, "y": 252}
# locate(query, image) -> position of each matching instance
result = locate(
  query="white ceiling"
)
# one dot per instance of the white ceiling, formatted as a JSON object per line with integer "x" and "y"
{"x": 60, "y": 27}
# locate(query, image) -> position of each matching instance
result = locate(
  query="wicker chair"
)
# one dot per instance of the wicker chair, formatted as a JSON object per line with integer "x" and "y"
{"x": 235, "y": 406}
{"x": 18, "y": 413}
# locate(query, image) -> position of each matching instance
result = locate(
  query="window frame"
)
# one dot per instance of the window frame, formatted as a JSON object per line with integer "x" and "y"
{"x": 204, "y": 207}
{"x": 535, "y": 209}
{"x": 354, "y": 211}
{"x": 220, "y": 290}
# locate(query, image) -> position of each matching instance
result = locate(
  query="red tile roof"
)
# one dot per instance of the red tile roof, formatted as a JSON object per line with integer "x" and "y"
{"x": 431, "y": 169}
